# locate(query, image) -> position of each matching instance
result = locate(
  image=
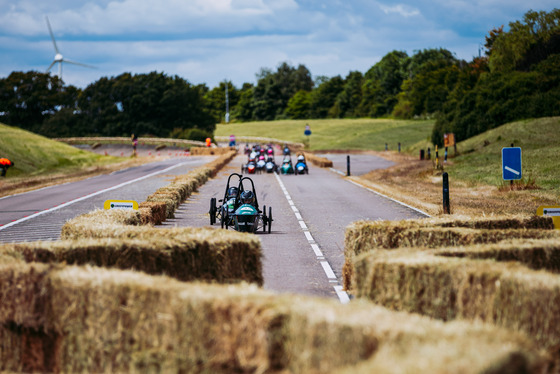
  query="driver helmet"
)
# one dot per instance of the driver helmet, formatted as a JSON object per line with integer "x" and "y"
{"x": 247, "y": 197}
{"x": 232, "y": 192}
{"x": 301, "y": 158}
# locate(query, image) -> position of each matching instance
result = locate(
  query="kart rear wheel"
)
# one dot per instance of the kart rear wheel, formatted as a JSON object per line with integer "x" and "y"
{"x": 264, "y": 219}
{"x": 269, "y": 219}
{"x": 212, "y": 211}
{"x": 223, "y": 218}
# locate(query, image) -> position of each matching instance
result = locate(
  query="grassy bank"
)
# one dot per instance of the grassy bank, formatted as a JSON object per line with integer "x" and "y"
{"x": 36, "y": 155}
{"x": 480, "y": 159}
{"x": 360, "y": 134}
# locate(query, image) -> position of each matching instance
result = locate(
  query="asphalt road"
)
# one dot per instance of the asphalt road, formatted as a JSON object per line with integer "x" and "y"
{"x": 303, "y": 254}
{"x": 305, "y": 251}
{"x": 40, "y": 214}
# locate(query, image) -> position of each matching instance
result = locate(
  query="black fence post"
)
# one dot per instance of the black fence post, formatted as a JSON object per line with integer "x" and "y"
{"x": 348, "y": 165}
{"x": 399, "y": 147}
{"x": 446, "y": 207}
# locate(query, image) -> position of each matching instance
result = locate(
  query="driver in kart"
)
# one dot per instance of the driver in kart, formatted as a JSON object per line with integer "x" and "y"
{"x": 232, "y": 193}
{"x": 247, "y": 197}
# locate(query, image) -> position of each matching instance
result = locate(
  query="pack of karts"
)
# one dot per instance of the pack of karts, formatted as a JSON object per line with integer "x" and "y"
{"x": 239, "y": 208}
{"x": 261, "y": 159}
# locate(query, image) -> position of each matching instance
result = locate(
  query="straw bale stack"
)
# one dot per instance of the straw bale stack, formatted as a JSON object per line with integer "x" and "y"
{"x": 152, "y": 213}
{"x": 318, "y": 161}
{"x": 205, "y": 151}
{"x": 97, "y": 320}
{"x": 184, "y": 254}
{"x": 435, "y": 283}
{"x": 365, "y": 236}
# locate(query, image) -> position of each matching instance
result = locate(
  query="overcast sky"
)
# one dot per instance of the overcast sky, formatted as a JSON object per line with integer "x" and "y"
{"x": 208, "y": 41}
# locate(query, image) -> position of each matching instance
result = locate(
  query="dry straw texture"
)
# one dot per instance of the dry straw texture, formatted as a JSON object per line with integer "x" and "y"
{"x": 205, "y": 151}
{"x": 318, "y": 161}
{"x": 81, "y": 319}
{"x": 184, "y": 254}
{"x": 365, "y": 236}
{"x": 504, "y": 293}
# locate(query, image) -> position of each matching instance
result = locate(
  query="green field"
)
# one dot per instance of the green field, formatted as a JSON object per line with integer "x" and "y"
{"x": 480, "y": 159}
{"x": 36, "y": 155}
{"x": 330, "y": 134}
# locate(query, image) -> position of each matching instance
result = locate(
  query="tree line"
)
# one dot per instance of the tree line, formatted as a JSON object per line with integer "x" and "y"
{"x": 517, "y": 77}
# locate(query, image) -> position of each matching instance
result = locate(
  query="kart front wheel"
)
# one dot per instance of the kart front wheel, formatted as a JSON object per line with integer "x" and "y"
{"x": 264, "y": 219}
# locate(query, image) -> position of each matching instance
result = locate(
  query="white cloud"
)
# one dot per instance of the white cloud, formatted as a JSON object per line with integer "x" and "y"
{"x": 207, "y": 41}
{"x": 404, "y": 10}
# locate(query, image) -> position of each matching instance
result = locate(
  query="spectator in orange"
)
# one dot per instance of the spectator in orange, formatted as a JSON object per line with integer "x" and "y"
{"x": 5, "y": 164}
{"x": 208, "y": 142}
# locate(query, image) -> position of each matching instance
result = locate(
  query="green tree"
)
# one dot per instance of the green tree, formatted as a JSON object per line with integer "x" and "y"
{"x": 348, "y": 100}
{"x": 243, "y": 110}
{"x": 29, "y": 98}
{"x": 324, "y": 96}
{"x": 299, "y": 105}
{"x": 527, "y": 42}
{"x": 274, "y": 90}
{"x": 382, "y": 84}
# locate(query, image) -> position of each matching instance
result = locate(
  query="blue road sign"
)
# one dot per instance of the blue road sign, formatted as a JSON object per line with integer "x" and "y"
{"x": 511, "y": 163}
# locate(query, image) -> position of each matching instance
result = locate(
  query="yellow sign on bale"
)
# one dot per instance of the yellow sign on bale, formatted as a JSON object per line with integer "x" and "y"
{"x": 120, "y": 204}
{"x": 551, "y": 211}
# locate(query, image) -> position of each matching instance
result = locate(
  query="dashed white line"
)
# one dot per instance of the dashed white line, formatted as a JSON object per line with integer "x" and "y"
{"x": 331, "y": 276}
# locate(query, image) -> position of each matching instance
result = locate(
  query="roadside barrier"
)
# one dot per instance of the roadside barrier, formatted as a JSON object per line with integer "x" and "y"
{"x": 486, "y": 269}
{"x": 86, "y": 319}
{"x": 318, "y": 161}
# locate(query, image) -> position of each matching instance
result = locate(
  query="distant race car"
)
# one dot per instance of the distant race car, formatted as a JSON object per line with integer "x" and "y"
{"x": 301, "y": 165}
{"x": 287, "y": 166}
{"x": 239, "y": 208}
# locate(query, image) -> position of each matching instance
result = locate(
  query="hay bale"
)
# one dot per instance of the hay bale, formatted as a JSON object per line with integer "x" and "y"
{"x": 205, "y": 151}
{"x": 157, "y": 212}
{"x": 115, "y": 321}
{"x": 365, "y": 236}
{"x": 185, "y": 254}
{"x": 318, "y": 161}
{"x": 503, "y": 293}
{"x": 99, "y": 223}
{"x": 536, "y": 254}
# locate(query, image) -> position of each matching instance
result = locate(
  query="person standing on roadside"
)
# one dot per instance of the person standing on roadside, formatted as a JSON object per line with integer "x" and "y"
{"x": 5, "y": 164}
{"x": 134, "y": 144}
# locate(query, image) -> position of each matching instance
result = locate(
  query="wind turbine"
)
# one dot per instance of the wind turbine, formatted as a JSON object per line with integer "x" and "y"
{"x": 58, "y": 58}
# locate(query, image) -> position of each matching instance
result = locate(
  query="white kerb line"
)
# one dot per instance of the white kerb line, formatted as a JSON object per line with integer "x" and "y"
{"x": 88, "y": 196}
{"x": 331, "y": 276}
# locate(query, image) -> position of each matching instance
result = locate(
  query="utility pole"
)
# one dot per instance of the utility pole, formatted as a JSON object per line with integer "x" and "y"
{"x": 227, "y": 103}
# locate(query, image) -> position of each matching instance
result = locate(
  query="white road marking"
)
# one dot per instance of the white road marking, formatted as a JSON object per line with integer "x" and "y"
{"x": 512, "y": 170}
{"x": 390, "y": 198}
{"x": 88, "y": 196}
{"x": 342, "y": 295}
